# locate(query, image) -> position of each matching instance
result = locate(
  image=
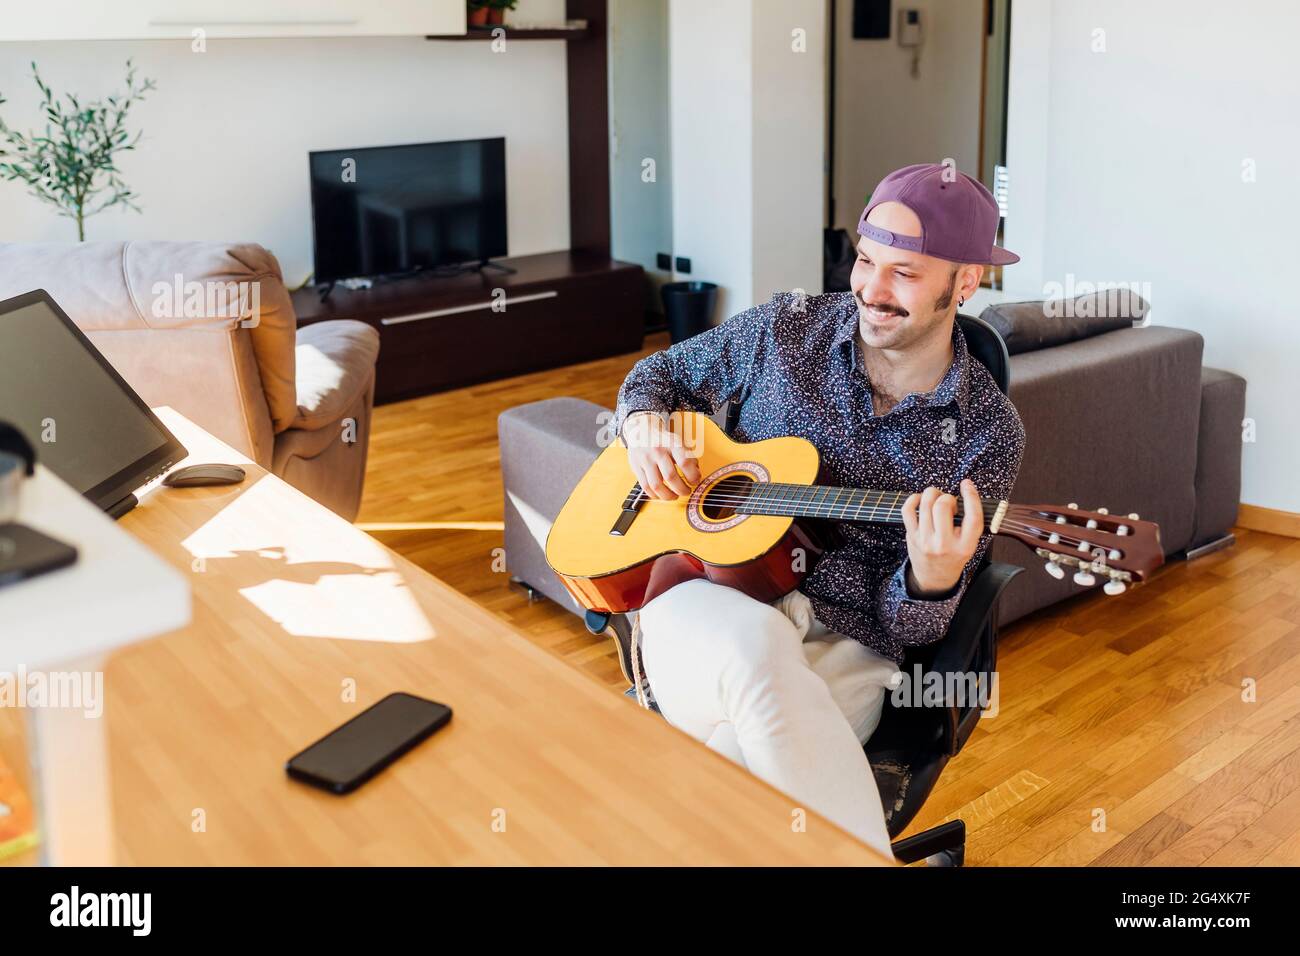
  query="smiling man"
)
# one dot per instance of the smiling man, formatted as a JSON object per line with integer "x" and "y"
{"x": 881, "y": 381}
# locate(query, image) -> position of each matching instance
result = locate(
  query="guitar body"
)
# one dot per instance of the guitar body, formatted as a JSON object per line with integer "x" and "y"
{"x": 664, "y": 543}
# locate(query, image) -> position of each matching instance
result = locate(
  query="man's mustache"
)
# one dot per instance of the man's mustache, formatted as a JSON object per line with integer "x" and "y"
{"x": 885, "y": 307}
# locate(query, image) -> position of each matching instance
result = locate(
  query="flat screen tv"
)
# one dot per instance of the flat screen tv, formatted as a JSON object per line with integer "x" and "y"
{"x": 387, "y": 210}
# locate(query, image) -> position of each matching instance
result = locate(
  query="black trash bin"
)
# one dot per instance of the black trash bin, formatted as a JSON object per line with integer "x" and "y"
{"x": 688, "y": 307}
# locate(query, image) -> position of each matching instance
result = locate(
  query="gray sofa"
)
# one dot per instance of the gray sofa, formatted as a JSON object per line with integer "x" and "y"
{"x": 1127, "y": 419}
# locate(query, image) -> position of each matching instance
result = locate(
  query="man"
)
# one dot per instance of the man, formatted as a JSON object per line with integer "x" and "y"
{"x": 880, "y": 380}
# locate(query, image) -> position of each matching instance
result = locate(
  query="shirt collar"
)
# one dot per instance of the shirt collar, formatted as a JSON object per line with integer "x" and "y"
{"x": 953, "y": 388}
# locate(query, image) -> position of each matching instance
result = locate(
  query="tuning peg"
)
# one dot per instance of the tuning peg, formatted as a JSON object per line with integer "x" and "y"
{"x": 1133, "y": 516}
{"x": 1074, "y": 505}
{"x": 1084, "y": 577}
{"x": 1122, "y": 529}
{"x": 1092, "y": 523}
{"x": 1103, "y": 511}
{"x": 1053, "y": 538}
{"x": 1114, "y": 586}
{"x": 1054, "y": 569}
{"x": 1114, "y": 554}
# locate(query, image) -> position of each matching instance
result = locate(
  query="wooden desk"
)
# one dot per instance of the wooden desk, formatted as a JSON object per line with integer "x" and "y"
{"x": 292, "y": 607}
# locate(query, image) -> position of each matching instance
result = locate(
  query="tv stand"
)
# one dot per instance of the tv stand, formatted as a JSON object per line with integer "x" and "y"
{"x": 502, "y": 318}
{"x": 441, "y": 272}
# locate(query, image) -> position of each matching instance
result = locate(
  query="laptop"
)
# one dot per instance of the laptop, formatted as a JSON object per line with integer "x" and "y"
{"x": 87, "y": 424}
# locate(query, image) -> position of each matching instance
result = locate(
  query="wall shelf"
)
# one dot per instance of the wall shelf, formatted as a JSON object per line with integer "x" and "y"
{"x": 573, "y": 30}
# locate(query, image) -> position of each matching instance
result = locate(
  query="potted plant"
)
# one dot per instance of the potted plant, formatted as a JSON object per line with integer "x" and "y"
{"x": 72, "y": 165}
{"x": 497, "y": 10}
{"x": 477, "y": 15}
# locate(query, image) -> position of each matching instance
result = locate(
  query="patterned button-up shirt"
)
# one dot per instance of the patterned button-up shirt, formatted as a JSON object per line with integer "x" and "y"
{"x": 798, "y": 355}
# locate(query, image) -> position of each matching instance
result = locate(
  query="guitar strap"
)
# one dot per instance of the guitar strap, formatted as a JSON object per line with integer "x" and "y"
{"x": 733, "y": 407}
{"x": 638, "y": 681}
{"x": 733, "y": 413}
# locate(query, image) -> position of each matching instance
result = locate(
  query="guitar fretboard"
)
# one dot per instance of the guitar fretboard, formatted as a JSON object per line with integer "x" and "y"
{"x": 820, "y": 501}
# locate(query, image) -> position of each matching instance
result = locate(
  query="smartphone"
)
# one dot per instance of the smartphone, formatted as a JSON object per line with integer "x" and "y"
{"x": 25, "y": 553}
{"x": 349, "y": 756}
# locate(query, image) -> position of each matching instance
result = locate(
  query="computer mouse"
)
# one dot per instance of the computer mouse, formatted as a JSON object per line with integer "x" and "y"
{"x": 192, "y": 476}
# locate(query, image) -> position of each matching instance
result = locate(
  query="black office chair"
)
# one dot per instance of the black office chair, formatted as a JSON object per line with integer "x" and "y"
{"x": 911, "y": 746}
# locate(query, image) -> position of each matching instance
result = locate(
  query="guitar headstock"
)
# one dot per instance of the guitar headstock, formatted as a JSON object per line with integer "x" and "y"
{"x": 1097, "y": 544}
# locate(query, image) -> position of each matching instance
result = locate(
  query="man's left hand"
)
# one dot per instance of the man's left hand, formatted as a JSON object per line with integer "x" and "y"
{"x": 937, "y": 549}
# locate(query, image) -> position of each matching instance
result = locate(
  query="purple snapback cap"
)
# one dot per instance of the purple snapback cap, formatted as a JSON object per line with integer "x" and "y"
{"x": 959, "y": 218}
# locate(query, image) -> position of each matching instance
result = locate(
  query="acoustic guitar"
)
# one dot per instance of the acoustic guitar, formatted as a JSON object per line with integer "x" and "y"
{"x": 757, "y": 521}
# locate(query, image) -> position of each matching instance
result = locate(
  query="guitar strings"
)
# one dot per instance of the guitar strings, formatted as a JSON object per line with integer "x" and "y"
{"x": 828, "y": 506}
{"x": 825, "y": 508}
{"x": 719, "y": 494}
{"x": 867, "y": 511}
{"x": 895, "y": 517}
{"x": 735, "y": 485}
{"x": 876, "y": 509}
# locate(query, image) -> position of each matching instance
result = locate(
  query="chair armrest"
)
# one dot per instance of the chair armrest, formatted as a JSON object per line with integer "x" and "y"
{"x": 960, "y": 645}
{"x": 335, "y": 366}
{"x": 971, "y": 646}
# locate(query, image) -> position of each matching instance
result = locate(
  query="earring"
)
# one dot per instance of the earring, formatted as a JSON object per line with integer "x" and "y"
{"x": 961, "y": 300}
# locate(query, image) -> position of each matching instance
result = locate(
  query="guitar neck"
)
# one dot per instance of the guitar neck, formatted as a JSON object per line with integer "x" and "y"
{"x": 863, "y": 505}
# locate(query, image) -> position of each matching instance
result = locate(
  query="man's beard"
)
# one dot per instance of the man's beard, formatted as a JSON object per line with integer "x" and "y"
{"x": 941, "y": 304}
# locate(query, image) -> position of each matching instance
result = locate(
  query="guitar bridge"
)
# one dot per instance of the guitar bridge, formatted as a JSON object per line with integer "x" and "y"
{"x": 631, "y": 507}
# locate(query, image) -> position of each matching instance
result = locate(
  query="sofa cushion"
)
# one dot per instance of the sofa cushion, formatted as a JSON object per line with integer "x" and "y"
{"x": 1039, "y": 324}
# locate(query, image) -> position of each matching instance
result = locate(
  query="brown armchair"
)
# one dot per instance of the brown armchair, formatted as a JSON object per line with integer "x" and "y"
{"x": 208, "y": 328}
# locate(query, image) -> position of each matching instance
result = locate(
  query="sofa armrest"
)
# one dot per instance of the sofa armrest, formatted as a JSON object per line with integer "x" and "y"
{"x": 1218, "y": 454}
{"x": 546, "y": 447}
{"x": 335, "y": 366}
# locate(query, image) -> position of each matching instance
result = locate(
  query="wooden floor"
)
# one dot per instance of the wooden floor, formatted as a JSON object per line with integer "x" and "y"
{"x": 1158, "y": 728}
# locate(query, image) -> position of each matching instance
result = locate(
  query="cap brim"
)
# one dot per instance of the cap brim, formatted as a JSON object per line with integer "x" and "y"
{"x": 1002, "y": 257}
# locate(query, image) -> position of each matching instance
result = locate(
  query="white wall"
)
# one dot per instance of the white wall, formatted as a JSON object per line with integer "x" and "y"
{"x": 1142, "y": 150}
{"x": 885, "y": 118}
{"x": 789, "y": 145}
{"x": 226, "y": 134}
{"x": 712, "y": 135}
{"x": 1028, "y": 139}
{"x": 747, "y": 145}
{"x": 641, "y": 204}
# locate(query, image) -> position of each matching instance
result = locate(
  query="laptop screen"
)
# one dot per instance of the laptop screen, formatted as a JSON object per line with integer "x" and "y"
{"x": 87, "y": 425}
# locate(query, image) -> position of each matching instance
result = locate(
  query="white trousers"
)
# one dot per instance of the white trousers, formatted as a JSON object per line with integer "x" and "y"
{"x": 775, "y": 690}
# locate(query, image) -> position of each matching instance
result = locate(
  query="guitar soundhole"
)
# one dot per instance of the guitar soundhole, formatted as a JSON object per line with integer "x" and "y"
{"x": 721, "y": 500}
{"x": 712, "y": 505}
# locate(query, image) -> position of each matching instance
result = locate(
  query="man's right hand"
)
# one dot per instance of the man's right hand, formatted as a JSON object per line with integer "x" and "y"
{"x": 663, "y": 465}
